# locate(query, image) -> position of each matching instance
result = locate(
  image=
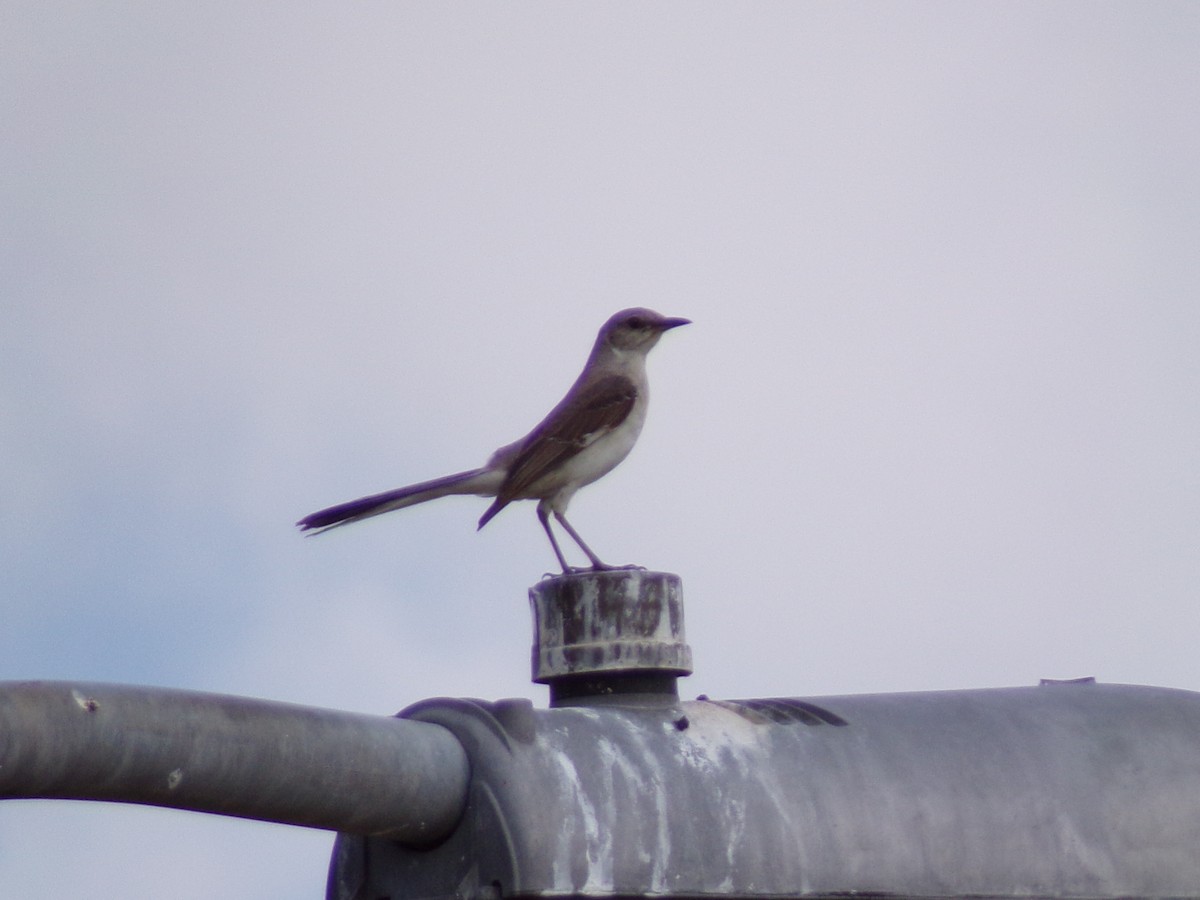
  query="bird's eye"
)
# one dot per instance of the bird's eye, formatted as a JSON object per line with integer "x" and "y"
{"x": 636, "y": 322}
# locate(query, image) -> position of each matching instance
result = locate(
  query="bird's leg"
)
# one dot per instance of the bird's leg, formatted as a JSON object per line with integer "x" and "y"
{"x": 544, "y": 518}
{"x": 596, "y": 564}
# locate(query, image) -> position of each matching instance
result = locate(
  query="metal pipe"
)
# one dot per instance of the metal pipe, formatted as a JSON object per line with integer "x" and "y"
{"x": 255, "y": 759}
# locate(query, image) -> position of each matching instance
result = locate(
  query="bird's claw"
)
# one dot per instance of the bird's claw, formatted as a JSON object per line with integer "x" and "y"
{"x": 569, "y": 570}
{"x": 584, "y": 570}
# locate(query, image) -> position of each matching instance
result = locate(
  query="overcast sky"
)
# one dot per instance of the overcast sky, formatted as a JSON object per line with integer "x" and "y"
{"x": 935, "y": 425}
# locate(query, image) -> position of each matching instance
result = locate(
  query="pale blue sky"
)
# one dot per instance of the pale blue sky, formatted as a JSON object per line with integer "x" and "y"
{"x": 935, "y": 425}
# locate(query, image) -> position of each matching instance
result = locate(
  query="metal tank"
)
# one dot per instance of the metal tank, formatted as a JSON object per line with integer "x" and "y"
{"x": 620, "y": 789}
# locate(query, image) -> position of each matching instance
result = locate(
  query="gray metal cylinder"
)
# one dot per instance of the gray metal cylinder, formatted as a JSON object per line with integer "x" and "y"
{"x": 257, "y": 759}
{"x": 1063, "y": 791}
{"x": 612, "y": 623}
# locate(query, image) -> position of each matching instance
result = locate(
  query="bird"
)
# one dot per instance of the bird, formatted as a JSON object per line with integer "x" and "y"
{"x": 582, "y": 439}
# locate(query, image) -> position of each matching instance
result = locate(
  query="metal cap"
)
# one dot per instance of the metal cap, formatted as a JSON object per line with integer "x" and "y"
{"x": 609, "y": 632}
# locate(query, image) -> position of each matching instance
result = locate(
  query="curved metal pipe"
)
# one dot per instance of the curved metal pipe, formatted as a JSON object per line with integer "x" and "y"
{"x": 235, "y": 756}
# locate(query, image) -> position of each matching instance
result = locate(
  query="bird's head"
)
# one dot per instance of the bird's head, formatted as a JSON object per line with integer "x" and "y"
{"x": 637, "y": 329}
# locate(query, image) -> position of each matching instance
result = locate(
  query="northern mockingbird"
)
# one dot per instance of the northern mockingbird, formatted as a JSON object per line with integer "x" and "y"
{"x": 583, "y": 438}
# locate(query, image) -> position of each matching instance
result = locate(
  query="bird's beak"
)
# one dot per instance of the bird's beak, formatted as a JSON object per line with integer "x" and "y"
{"x": 668, "y": 323}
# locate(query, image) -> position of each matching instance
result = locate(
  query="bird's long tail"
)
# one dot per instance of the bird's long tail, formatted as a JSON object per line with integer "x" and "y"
{"x": 476, "y": 481}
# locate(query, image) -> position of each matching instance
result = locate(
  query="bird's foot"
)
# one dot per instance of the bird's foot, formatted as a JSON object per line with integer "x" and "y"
{"x": 601, "y": 567}
{"x": 569, "y": 570}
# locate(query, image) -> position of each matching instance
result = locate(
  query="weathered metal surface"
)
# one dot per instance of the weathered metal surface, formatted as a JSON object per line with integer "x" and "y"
{"x": 622, "y": 621}
{"x": 231, "y": 755}
{"x": 1081, "y": 791}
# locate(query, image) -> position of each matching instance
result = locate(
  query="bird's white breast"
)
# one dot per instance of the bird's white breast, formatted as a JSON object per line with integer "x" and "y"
{"x": 607, "y": 449}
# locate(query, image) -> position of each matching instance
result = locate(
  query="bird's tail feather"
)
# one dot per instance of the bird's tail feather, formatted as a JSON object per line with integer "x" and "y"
{"x": 472, "y": 482}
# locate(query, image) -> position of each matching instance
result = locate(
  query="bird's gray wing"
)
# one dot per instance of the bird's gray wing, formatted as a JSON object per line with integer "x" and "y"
{"x": 581, "y": 419}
